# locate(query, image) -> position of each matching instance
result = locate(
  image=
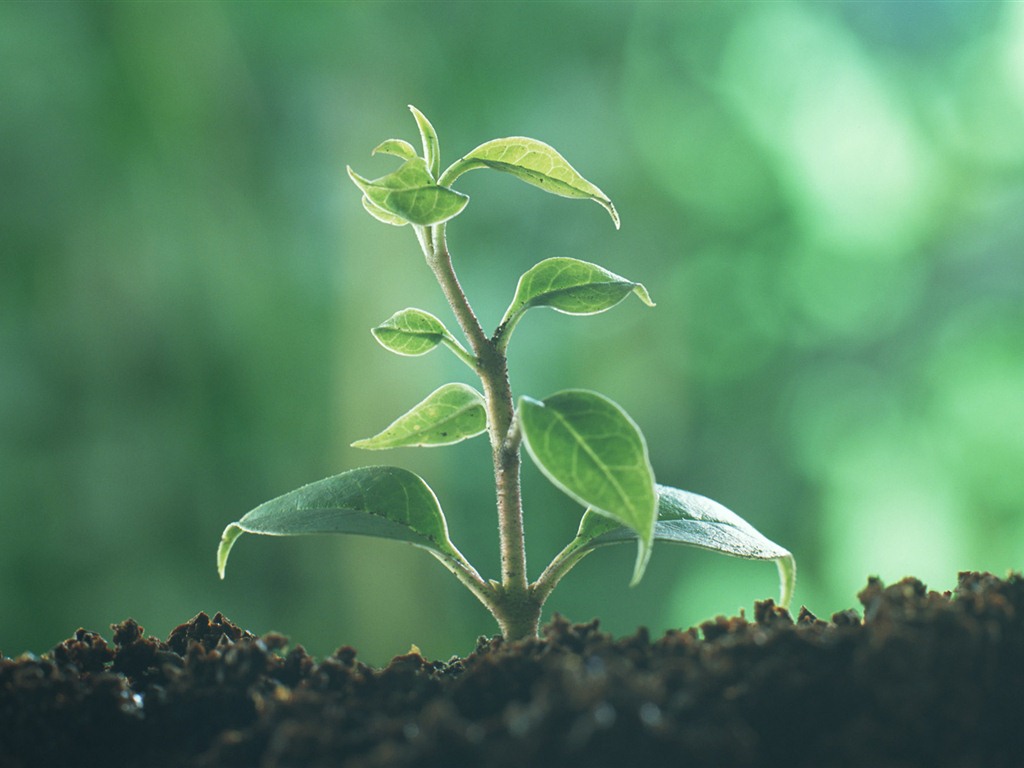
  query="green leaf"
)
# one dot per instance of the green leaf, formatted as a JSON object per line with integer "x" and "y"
{"x": 593, "y": 451}
{"x": 411, "y": 332}
{"x": 448, "y": 415}
{"x": 688, "y": 518}
{"x": 431, "y": 148}
{"x": 570, "y": 286}
{"x": 397, "y": 147}
{"x": 411, "y": 194}
{"x": 384, "y": 502}
{"x": 535, "y": 163}
{"x": 381, "y": 215}
{"x": 574, "y": 287}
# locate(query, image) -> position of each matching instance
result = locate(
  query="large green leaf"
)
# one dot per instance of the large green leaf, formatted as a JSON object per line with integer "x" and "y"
{"x": 535, "y": 163}
{"x": 384, "y": 502}
{"x": 448, "y": 415}
{"x": 411, "y": 194}
{"x": 592, "y": 450}
{"x": 689, "y": 518}
{"x": 570, "y": 286}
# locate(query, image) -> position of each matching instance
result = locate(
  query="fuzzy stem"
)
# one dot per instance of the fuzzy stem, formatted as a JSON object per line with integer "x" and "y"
{"x": 563, "y": 562}
{"x": 515, "y": 609}
{"x": 469, "y": 577}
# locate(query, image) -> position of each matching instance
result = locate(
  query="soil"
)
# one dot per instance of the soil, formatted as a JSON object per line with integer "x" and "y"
{"x": 919, "y": 679}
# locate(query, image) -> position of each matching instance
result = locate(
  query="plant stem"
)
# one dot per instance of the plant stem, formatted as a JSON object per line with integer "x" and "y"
{"x": 515, "y": 608}
{"x": 435, "y": 247}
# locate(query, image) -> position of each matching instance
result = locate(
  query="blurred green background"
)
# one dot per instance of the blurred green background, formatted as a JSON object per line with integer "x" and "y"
{"x": 825, "y": 200}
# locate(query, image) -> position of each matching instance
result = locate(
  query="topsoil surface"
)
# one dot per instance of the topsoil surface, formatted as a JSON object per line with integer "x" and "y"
{"x": 916, "y": 678}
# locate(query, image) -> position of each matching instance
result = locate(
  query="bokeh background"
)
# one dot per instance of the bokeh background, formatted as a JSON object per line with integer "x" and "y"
{"x": 825, "y": 199}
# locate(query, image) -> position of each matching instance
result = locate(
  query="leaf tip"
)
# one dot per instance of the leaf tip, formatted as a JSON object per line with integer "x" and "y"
{"x": 227, "y": 540}
{"x": 612, "y": 212}
{"x": 643, "y": 295}
{"x": 358, "y": 180}
{"x": 419, "y": 116}
{"x": 787, "y": 578}
{"x": 643, "y": 556}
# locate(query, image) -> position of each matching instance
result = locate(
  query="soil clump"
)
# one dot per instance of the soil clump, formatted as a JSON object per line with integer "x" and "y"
{"x": 916, "y": 678}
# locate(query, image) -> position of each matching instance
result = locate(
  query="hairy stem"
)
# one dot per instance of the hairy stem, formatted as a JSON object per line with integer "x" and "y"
{"x": 469, "y": 578}
{"x": 563, "y": 562}
{"x": 435, "y": 247}
{"x": 515, "y": 608}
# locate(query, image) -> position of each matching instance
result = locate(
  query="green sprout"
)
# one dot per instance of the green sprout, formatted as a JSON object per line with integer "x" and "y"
{"x": 583, "y": 442}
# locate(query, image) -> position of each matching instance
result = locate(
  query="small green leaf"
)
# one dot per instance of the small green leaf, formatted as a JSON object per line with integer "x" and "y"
{"x": 411, "y": 332}
{"x": 570, "y": 286}
{"x": 431, "y": 148}
{"x": 411, "y": 194}
{"x": 448, "y": 415}
{"x": 535, "y": 163}
{"x": 593, "y": 451}
{"x": 384, "y": 502}
{"x": 397, "y": 147}
{"x": 688, "y": 518}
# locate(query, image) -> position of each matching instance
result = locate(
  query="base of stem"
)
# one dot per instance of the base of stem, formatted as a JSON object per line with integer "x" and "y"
{"x": 518, "y": 616}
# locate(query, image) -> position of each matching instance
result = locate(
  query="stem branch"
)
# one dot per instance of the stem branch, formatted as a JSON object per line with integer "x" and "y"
{"x": 563, "y": 562}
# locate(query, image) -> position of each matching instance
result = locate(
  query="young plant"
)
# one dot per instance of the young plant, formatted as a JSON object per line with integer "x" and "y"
{"x": 586, "y": 444}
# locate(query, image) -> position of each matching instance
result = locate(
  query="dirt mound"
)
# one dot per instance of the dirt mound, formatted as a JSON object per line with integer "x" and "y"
{"x": 922, "y": 679}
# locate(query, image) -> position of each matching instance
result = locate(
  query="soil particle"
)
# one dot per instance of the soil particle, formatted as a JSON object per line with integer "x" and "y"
{"x": 923, "y": 679}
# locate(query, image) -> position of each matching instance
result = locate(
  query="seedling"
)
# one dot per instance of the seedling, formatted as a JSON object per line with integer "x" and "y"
{"x": 582, "y": 441}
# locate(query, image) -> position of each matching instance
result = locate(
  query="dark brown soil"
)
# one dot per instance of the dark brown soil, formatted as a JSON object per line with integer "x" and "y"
{"x": 923, "y": 679}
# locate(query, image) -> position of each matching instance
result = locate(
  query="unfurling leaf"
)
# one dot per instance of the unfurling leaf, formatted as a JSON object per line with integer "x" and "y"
{"x": 570, "y": 286}
{"x": 592, "y": 450}
{"x": 397, "y": 147}
{"x": 411, "y": 194}
{"x": 535, "y": 163}
{"x": 448, "y": 415}
{"x": 431, "y": 148}
{"x": 689, "y": 518}
{"x": 384, "y": 502}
